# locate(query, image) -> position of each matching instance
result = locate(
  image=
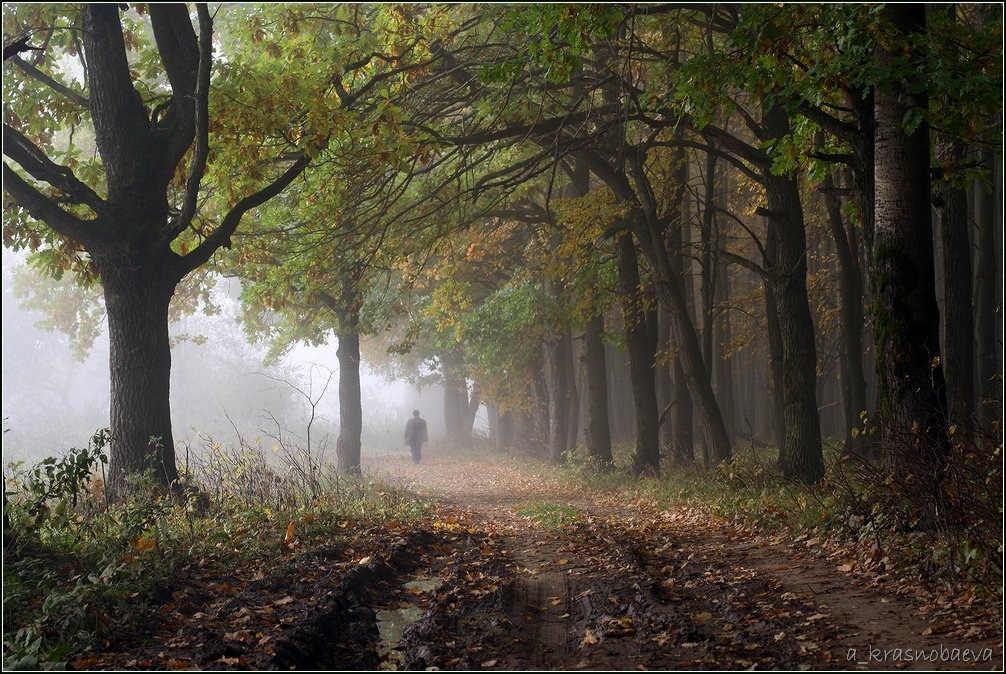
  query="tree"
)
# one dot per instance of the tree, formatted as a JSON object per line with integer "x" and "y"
{"x": 905, "y": 315}
{"x": 142, "y": 137}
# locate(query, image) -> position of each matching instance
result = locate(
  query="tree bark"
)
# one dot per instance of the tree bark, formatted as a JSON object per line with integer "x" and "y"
{"x": 347, "y": 448}
{"x": 598, "y": 435}
{"x": 137, "y": 295}
{"x": 800, "y": 456}
{"x": 906, "y": 320}
{"x": 723, "y": 372}
{"x": 959, "y": 324}
{"x": 665, "y": 397}
{"x": 850, "y": 298}
{"x": 775, "y": 357}
{"x": 642, "y": 347}
{"x": 558, "y": 397}
{"x": 679, "y": 238}
{"x": 987, "y": 278}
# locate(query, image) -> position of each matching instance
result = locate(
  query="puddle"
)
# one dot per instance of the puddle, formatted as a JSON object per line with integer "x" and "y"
{"x": 424, "y": 585}
{"x": 391, "y": 622}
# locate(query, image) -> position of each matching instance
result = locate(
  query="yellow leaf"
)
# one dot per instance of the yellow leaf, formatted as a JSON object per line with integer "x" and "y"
{"x": 588, "y": 639}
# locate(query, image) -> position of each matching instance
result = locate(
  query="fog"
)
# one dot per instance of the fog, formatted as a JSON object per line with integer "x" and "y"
{"x": 220, "y": 387}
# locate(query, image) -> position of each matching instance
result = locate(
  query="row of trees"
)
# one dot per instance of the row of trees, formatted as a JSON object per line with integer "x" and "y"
{"x": 503, "y": 191}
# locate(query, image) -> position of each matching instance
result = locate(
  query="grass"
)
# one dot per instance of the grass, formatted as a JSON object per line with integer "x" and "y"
{"x": 550, "y": 515}
{"x": 77, "y": 568}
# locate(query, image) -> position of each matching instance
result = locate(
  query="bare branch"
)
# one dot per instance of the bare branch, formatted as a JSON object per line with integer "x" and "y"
{"x": 746, "y": 263}
{"x": 63, "y": 90}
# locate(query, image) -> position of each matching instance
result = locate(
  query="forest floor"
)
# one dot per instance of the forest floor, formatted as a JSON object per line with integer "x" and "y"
{"x": 518, "y": 571}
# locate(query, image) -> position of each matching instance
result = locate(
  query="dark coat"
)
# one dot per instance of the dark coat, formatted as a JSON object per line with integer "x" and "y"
{"x": 415, "y": 431}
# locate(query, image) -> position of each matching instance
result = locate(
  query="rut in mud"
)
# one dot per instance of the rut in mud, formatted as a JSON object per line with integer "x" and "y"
{"x": 609, "y": 584}
{"x": 628, "y": 586}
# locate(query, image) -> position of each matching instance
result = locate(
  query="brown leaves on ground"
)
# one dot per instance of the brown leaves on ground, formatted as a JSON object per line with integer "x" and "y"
{"x": 624, "y": 585}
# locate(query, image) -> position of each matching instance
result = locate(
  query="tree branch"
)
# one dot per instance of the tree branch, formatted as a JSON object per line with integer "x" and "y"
{"x": 20, "y": 45}
{"x": 36, "y": 74}
{"x": 833, "y": 125}
{"x": 731, "y": 142}
{"x": 29, "y": 157}
{"x": 221, "y": 237}
{"x": 202, "y": 127}
{"x": 182, "y": 57}
{"x": 46, "y": 210}
{"x": 746, "y": 263}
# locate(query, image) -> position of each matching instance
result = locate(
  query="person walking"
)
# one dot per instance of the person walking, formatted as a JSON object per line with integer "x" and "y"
{"x": 415, "y": 435}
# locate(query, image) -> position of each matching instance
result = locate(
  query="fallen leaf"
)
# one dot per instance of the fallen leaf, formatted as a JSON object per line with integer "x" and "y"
{"x": 588, "y": 639}
{"x": 620, "y": 627}
{"x": 283, "y": 602}
{"x": 702, "y": 618}
{"x": 288, "y": 539}
{"x": 241, "y": 636}
{"x": 845, "y": 568}
{"x": 489, "y": 663}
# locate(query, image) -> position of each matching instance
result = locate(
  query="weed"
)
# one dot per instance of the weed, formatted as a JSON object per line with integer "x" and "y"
{"x": 78, "y": 568}
{"x": 550, "y": 515}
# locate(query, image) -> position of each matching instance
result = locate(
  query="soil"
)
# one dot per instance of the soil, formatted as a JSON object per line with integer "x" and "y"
{"x": 617, "y": 586}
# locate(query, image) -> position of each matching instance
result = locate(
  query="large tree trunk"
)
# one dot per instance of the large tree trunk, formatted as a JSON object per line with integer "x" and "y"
{"x": 987, "y": 279}
{"x": 137, "y": 294}
{"x": 598, "y": 433}
{"x": 347, "y": 448}
{"x": 959, "y": 324}
{"x": 775, "y": 356}
{"x": 905, "y": 315}
{"x": 679, "y": 239}
{"x": 642, "y": 347}
{"x": 800, "y": 456}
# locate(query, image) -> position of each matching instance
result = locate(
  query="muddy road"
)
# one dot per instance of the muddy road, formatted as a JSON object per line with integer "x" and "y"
{"x": 628, "y": 586}
{"x": 514, "y": 570}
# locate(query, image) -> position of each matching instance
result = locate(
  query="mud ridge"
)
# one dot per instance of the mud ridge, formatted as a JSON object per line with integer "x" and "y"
{"x": 341, "y": 631}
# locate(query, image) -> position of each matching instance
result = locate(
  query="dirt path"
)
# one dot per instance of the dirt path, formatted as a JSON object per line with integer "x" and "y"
{"x": 627, "y": 586}
{"x": 605, "y": 584}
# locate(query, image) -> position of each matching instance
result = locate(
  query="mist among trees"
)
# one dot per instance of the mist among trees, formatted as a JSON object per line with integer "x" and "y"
{"x": 656, "y": 241}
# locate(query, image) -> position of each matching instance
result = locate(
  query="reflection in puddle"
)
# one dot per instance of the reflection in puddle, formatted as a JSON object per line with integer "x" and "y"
{"x": 391, "y": 623}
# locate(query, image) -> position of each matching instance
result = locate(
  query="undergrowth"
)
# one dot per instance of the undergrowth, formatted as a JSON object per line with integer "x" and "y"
{"x": 77, "y": 567}
{"x": 857, "y": 507}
